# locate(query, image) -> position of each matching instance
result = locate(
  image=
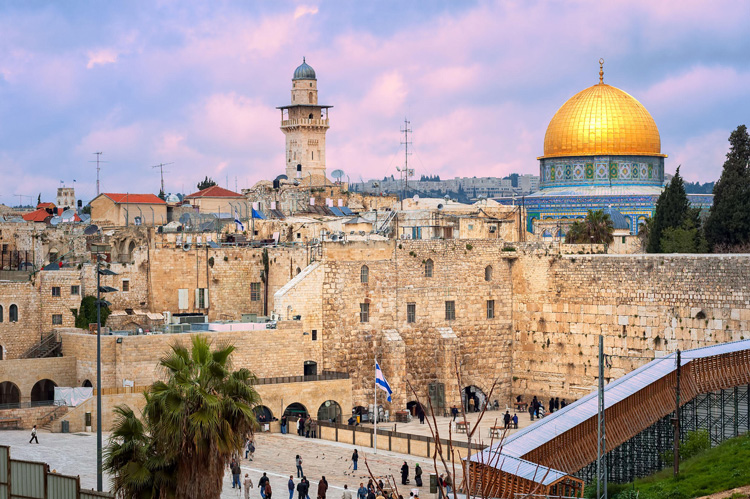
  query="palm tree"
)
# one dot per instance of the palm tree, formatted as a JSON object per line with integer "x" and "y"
{"x": 596, "y": 228}
{"x": 193, "y": 423}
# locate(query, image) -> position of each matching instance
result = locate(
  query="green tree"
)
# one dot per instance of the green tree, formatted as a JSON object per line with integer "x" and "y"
{"x": 596, "y": 228}
{"x": 672, "y": 209}
{"x": 39, "y": 199}
{"x": 162, "y": 196}
{"x": 86, "y": 210}
{"x": 728, "y": 223}
{"x": 687, "y": 238}
{"x": 86, "y": 313}
{"x": 192, "y": 424}
{"x": 206, "y": 183}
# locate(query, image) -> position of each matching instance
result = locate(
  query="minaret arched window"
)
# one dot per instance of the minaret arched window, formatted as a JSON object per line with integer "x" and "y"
{"x": 1, "y": 313}
{"x": 488, "y": 273}
{"x": 13, "y": 313}
{"x": 428, "y": 267}
{"x": 364, "y": 274}
{"x": 309, "y": 97}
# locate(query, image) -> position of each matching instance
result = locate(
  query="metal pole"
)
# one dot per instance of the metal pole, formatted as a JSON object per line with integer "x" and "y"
{"x": 601, "y": 463}
{"x": 98, "y": 378}
{"x": 375, "y": 411}
{"x": 677, "y": 420}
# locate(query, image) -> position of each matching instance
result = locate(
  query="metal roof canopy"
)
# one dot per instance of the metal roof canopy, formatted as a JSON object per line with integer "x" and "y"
{"x": 558, "y": 422}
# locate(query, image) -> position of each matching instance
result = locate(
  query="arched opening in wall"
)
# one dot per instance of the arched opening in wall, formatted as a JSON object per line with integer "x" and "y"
{"x": 361, "y": 411}
{"x": 87, "y": 384}
{"x": 131, "y": 248}
{"x": 1, "y": 313}
{"x": 309, "y": 98}
{"x": 310, "y": 368}
{"x": 262, "y": 414}
{"x": 329, "y": 411}
{"x": 2, "y": 352}
{"x": 311, "y": 116}
{"x": 13, "y": 313}
{"x": 295, "y": 410}
{"x": 43, "y": 392}
{"x": 364, "y": 274}
{"x": 473, "y": 398}
{"x": 488, "y": 273}
{"x": 414, "y": 407}
{"x": 10, "y": 395}
{"x": 298, "y": 270}
{"x": 428, "y": 267}
{"x": 53, "y": 252}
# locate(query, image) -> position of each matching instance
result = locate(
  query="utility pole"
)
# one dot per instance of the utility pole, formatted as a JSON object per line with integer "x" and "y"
{"x": 98, "y": 167}
{"x": 676, "y": 419}
{"x": 160, "y": 166}
{"x": 601, "y": 451}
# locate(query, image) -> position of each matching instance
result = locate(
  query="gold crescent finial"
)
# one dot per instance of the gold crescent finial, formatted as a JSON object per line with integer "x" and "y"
{"x": 601, "y": 70}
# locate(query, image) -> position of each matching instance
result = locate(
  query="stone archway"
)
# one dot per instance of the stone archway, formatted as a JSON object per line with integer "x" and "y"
{"x": 43, "y": 392}
{"x": 295, "y": 410}
{"x": 473, "y": 397}
{"x": 263, "y": 414}
{"x": 10, "y": 395}
{"x": 329, "y": 411}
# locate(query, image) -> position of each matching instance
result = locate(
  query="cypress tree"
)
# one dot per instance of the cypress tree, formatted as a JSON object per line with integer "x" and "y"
{"x": 672, "y": 208}
{"x": 728, "y": 222}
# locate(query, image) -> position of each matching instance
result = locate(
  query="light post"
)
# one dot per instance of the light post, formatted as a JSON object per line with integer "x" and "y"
{"x": 99, "y": 249}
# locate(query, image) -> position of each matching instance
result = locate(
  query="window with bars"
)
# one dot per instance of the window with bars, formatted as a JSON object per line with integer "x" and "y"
{"x": 126, "y": 285}
{"x": 75, "y": 290}
{"x": 490, "y": 309}
{"x": 364, "y": 274}
{"x": 450, "y": 310}
{"x": 254, "y": 291}
{"x": 411, "y": 312}
{"x": 55, "y": 290}
{"x": 428, "y": 267}
{"x": 56, "y": 319}
{"x": 364, "y": 312}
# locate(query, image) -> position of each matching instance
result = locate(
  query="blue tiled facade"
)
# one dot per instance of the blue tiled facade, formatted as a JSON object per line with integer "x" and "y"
{"x": 601, "y": 170}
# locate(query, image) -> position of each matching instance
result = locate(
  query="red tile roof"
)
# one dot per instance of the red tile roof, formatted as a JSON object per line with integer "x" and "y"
{"x": 214, "y": 192}
{"x": 134, "y": 198}
{"x": 39, "y": 215}
{"x": 45, "y": 205}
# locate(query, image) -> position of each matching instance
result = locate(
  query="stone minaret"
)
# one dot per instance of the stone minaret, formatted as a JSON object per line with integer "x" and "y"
{"x": 305, "y": 122}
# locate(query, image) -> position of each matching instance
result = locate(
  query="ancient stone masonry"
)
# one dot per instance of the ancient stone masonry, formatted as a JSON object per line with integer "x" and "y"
{"x": 400, "y": 312}
{"x": 645, "y": 305}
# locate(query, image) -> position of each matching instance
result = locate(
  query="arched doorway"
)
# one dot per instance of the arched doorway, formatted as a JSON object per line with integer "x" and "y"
{"x": 43, "y": 392}
{"x": 263, "y": 414}
{"x": 10, "y": 395}
{"x": 413, "y": 408}
{"x": 295, "y": 410}
{"x": 310, "y": 368}
{"x": 473, "y": 398}
{"x": 329, "y": 411}
{"x": 87, "y": 384}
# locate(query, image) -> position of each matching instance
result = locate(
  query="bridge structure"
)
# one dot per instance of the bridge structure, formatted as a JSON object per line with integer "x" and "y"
{"x": 558, "y": 454}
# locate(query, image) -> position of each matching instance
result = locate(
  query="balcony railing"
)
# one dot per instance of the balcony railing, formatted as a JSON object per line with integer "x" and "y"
{"x": 326, "y": 376}
{"x": 303, "y": 121}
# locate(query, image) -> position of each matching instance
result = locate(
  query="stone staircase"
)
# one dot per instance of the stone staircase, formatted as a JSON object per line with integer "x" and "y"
{"x": 49, "y": 346}
{"x": 46, "y": 421}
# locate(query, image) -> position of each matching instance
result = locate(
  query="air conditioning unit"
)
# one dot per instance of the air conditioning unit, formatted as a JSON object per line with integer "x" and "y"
{"x": 274, "y": 316}
{"x": 167, "y": 317}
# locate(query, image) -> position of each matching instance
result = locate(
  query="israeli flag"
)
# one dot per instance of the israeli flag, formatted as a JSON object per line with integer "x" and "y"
{"x": 240, "y": 226}
{"x": 380, "y": 381}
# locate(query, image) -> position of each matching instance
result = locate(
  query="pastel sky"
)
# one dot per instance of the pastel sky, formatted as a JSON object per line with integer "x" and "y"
{"x": 196, "y": 84}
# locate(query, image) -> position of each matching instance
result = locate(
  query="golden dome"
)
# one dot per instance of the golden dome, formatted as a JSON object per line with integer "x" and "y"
{"x": 602, "y": 120}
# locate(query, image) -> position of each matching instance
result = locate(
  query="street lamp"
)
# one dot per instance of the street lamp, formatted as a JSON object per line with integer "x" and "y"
{"x": 99, "y": 249}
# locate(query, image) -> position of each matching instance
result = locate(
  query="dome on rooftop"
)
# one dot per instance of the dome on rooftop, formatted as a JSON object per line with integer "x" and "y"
{"x": 304, "y": 72}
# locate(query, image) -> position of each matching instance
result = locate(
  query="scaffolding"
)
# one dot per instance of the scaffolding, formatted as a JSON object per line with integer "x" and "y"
{"x": 724, "y": 414}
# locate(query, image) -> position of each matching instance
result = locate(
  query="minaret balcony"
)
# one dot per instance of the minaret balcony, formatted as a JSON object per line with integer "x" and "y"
{"x": 304, "y": 122}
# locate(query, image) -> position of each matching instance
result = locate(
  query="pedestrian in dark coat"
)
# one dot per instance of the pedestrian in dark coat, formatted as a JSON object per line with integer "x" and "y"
{"x": 322, "y": 488}
{"x": 404, "y": 474}
{"x": 418, "y": 475}
{"x": 551, "y": 405}
{"x": 506, "y": 419}
{"x": 557, "y": 403}
{"x": 302, "y": 487}
{"x": 355, "y": 458}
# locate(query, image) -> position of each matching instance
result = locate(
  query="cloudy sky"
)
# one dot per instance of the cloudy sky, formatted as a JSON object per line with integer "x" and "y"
{"x": 196, "y": 84}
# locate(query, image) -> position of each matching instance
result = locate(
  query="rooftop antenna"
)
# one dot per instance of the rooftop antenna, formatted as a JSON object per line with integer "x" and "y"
{"x": 601, "y": 70}
{"x": 98, "y": 167}
{"x": 161, "y": 166}
{"x": 406, "y": 131}
{"x": 235, "y": 184}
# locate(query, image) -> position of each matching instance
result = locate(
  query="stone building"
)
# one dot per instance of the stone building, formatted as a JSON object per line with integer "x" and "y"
{"x": 305, "y": 123}
{"x": 116, "y": 209}
{"x": 66, "y": 197}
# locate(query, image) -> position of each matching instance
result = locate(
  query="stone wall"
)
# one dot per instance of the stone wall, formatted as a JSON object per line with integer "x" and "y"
{"x": 645, "y": 306}
{"x": 267, "y": 353}
{"x": 24, "y": 373}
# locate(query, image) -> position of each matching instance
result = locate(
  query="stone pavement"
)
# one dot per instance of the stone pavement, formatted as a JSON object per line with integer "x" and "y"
{"x": 75, "y": 454}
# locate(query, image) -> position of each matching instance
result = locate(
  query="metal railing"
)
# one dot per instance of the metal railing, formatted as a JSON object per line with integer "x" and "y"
{"x": 326, "y": 376}
{"x": 49, "y": 344}
{"x": 27, "y": 405}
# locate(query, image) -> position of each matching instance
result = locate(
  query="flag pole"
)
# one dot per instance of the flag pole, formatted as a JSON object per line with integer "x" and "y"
{"x": 375, "y": 409}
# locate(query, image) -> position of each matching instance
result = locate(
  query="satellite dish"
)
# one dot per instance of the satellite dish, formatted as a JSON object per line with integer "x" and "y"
{"x": 68, "y": 214}
{"x": 337, "y": 174}
{"x": 440, "y": 206}
{"x": 91, "y": 230}
{"x": 447, "y": 198}
{"x": 54, "y": 221}
{"x": 416, "y": 198}
{"x": 185, "y": 218}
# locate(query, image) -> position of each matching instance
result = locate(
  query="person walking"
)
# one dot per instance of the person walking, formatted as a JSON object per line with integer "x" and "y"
{"x": 283, "y": 424}
{"x": 448, "y": 484}
{"x": 268, "y": 490}
{"x": 251, "y": 449}
{"x": 515, "y": 421}
{"x": 322, "y": 488}
{"x": 248, "y": 485}
{"x": 298, "y": 463}
{"x": 454, "y": 412}
{"x": 33, "y": 435}
{"x": 235, "y": 468}
{"x": 347, "y": 493}
{"x": 404, "y": 474}
{"x": 418, "y": 475}
{"x": 262, "y": 485}
{"x": 355, "y": 458}
{"x": 362, "y": 491}
{"x": 247, "y": 446}
{"x": 290, "y": 485}
{"x": 506, "y": 419}
{"x": 301, "y": 489}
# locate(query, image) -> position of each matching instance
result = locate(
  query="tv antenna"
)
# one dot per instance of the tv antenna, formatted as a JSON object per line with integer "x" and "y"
{"x": 161, "y": 166}
{"x": 406, "y": 172}
{"x": 98, "y": 167}
{"x": 20, "y": 203}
